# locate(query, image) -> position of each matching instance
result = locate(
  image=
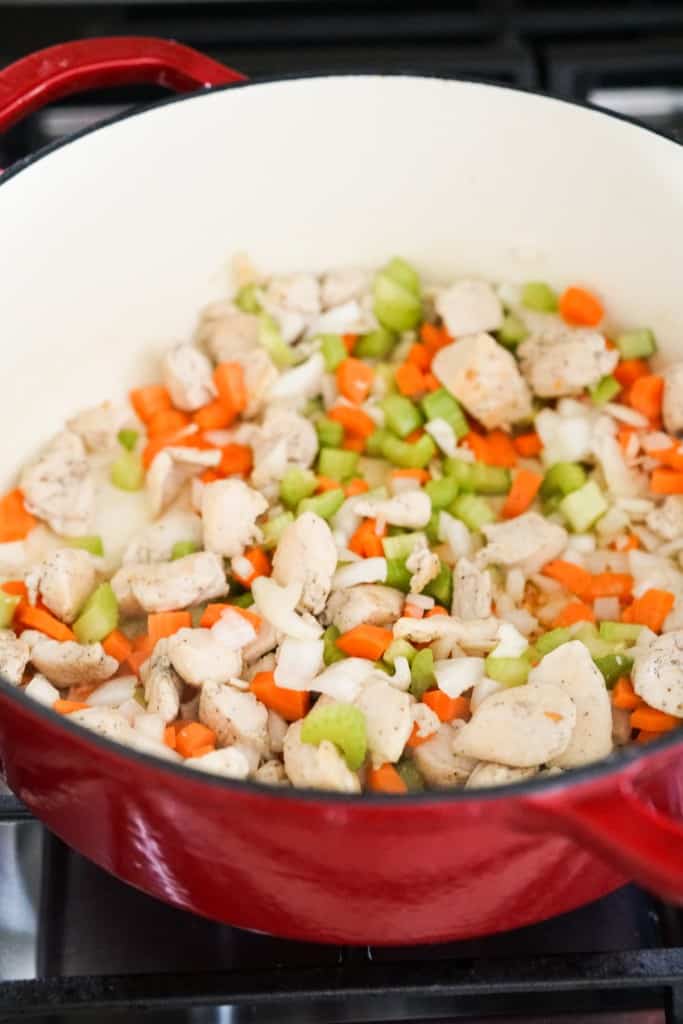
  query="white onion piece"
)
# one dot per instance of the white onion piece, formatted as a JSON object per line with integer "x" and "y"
{"x": 301, "y": 383}
{"x": 443, "y": 434}
{"x": 565, "y": 438}
{"x": 368, "y": 570}
{"x": 113, "y": 692}
{"x": 522, "y": 620}
{"x": 43, "y": 691}
{"x": 150, "y": 725}
{"x": 277, "y": 604}
{"x": 401, "y": 484}
{"x": 511, "y": 643}
{"x": 130, "y": 710}
{"x": 232, "y": 630}
{"x": 607, "y": 608}
{"x": 420, "y": 601}
{"x": 625, "y": 415}
{"x": 401, "y": 677}
{"x": 483, "y": 689}
{"x": 515, "y": 584}
{"x": 298, "y": 662}
{"x": 456, "y": 675}
{"x": 454, "y": 533}
{"x": 340, "y": 319}
{"x": 343, "y": 680}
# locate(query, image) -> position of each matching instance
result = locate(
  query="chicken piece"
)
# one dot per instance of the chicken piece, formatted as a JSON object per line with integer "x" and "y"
{"x": 272, "y": 773}
{"x": 187, "y": 374}
{"x": 228, "y": 762}
{"x": 522, "y": 727}
{"x": 388, "y": 722}
{"x": 14, "y": 655}
{"x": 59, "y": 487}
{"x": 672, "y": 401}
{"x": 478, "y": 635}
{"x": 155, "y": 542}
{"x": 306, "y": 554}
{"x": 437, "y": 762}
{"x": 410, "y": 509}
{"x": 68, "y": 663}
{"x": 198, "y": 656}
{"x": 296, "y": 386}
{"x": 555, "y": 367}
{"x": 171, "y": 469}
{"x": 472, "y": 591}
{"x": 528, "y": 541}
{"x": 113, "y": 725}
{"x": 423, "y": 564}
{"x": 658, "y": 673}
{"x": 230, "y": 509}
{"x": 99, "y": 427}
{"x": 167, "y": 586}
{"x": 666, "y": 520}
{"x": 277, "y": 730}
{"x": 485, "y": 378}
{"x": 235, "y": 716}
{"x": 285, "y": 439}
{"x": 572, "y": 668}
{"x": 490, "y": 774}
{"x": 64, "y": 580}
{"x": 316, "y": 767}
{"x": 163, "y": 685}
{"x": 344, "y": 285}
{"x": 469, "y": 307}
{"x": 267, "y": 639}
{"x": 369, "y": 603}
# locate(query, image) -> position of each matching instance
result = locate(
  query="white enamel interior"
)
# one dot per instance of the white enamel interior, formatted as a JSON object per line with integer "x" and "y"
{"x": 111, "y": 244}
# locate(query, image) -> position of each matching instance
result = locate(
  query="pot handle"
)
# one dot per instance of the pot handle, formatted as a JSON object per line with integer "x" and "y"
{"x": 626, "y": 829}
{"x": 47, "y": 75}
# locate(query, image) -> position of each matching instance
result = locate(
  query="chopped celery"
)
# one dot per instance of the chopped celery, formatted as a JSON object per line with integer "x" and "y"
{"x": 373, "y": 445}
{"x": 375, "y": 345}
{"x": 337, "y": 463}
{"x": 330, "y": 433}
{"x": 407, "y": 455}
{"x": 399, "y": 546}
{"x": 295, "y": 485}
{"x": 271, "y": 338}
{"x": 588, "y": 634}
{"x": 182, "y": 548}
{"x": 474, "y": 511}
{"x": 547, "y": 642}
{"x": 539, "y": 296}
{"x": 401, "y": 415}
{"x": 441, "y": 587}
{"x": 432, "y": 527}
{"x": 490, "y": 479}
{"x": 386, "y": 373}
{"x": 324, "y": 505}
{"x": 396, "y": 307}
{"x": 605, "y": 390}
{"x": 440, "y": 405}
{"x": 422, "y": 672}
{"x": 382, "y": 667}
{"x": 508, "y": 671}
{"x": 333, "y": 350}
{"x": 399, "y": 649}
{"x": 637, "y": 344}
{"x": 247, "y": 299}
{"x": 98, "y": 617}
{"x": 551, "y": 504}
{"x": 242, "y": 600}
{"x": 128, "y": 439}
{"x": 343, "y": 725}
{"x": 613, "y": 666}
{"x": 312, "y": 408}
{"x": 8, "y": 605}
{"x": 460, "y": 471}
{"x": 331, "y": 652}
{"x": 397, "y": 574}
{"x": 511, "y": 331}
{"x": 89, "y": 542}
{"x": 405, "y": 275}
{"x": 274, "y": 528}
{"x": 410, "y": 774}
{"x": 563, "y": 478}
{"x": 442, "y": 492}
{"x": 584, "y": 507}
{"x": 127, "y": 472}
{"x": 620, "y": 632}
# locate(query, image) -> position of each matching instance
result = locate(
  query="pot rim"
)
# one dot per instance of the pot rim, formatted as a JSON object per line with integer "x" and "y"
{"x": 618, "y": 761}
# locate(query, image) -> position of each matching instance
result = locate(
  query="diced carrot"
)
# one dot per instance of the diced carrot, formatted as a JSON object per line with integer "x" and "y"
{"x": 431, "y": 383}
{"x": 214, "y": 416}
{"x": 414, "y": 436}
{"x": 353, "y": 444}
{"x": 150, "y": 400}
{"x": 37, "y": 618}
{"x": 447, "y": 708}
{"x": 409, "y": 379}
{"x": 326, "y": 483}
{"x": 356, "y": 486}
{"x": 206, "y": 748}
{"x": 647, "y": 737}
{"x": 366, "y": 541}
{"x": 624, "y": 696}
{"x": 580, "y": 307}
{"x": 629, "y": 370}
{"x": 572, "y": 577}
{"x": 501, "y": 450}
{"x": 645, "y": 395}
{"x": 17, "y": 588}
{"x": 625, "y": 542}
{"x": 611, "y": 584}
{"x": 157, "y": 444}
{"x": 421, "y": 475}
{"x": 117, "y": 645}
{"x": 412, "y": 611}
{"x": 236, "y": 459}
{"x": 142, "y": 649}
{"x": 213, "y": 612}
{"x": 524, "y": 489}
{"x": 166, "y": 421}
{"x": 349, "y": 341}
{"x": 230, "y": 385}
{"x": 80, "y": 691}
{"x": 15, "y": 521}
{"x": 192, "y": 737}
{"x": 67, "y": 707}
{"x": 291, "y": 704}
{"x": 666, "y": 481}
{"x": 624, "y": 435}
{"x": 671, "y": 457}
{"x": 651, "y": 609}
{"x": 260, "y": 564}
{"x": 170, "y": 737}
{"x": 354, "y": 379}
{"x": 163, "y": 624}
{"x": 478, "y": 444}
{"x": 434, "y": 337}
{"x": 385, "y": 779}
{"x": 436, "y": 610}
{"x": 419, "y": 356}
{"x": 528, "y": 445}
{"x": 415, "y": 740}
{"x": 653, "y": 720}
{"x": 365, "y": 642}
{"x": 576, "y": 611}
{"x": 355, "y": 421}
{"x": 209, "y": 475}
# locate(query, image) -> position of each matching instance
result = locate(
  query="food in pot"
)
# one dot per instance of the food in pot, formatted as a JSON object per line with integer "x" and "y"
{"x": 364, "y": 534}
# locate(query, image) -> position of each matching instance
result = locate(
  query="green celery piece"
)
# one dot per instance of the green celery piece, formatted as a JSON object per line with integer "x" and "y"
{"x": 584, "y": 507}
{"x": 589, "y": 636}
{"x": 547, "y": 642}
{"x": 605, "y": 390}
{"x": 432, "y": 528}
{"x": 313, "y": 408}
{"x": 128, "y": 439}
{"x": 638, "y": 344}
{"x": 248, "y": 299}
{"x": 401, "y": 415}
{"x": 386, "y": 373}
{"x": 337, "y": 463}
{"x": 274, "y": 528}
{"x": 89, "y": 542}
{"x": 620, "y": 632}
{"x": 511, "y": 331}
{"x": 98, "y": 617}
{"x": 442, "y": 492}
{"x": 563, "y": 478}
{"x": 333, "y": 350}
{"x": 296, "y": 485}
{"x": 508, "y": 671}
{"x": 474, "y": 511}
{"x": 8, "y": 606}
{"x": 399, "y": 649}
{"x": 242, "y": 600}
{"x": 490, "y": 479}
{"x": 410, "y": 774}
{"x": 330, "y": 433}
{"x": 462, "y": 472}
{"x": 539, "y": 296}
{"x": 331, "y": 652}
{"x": 441, "y": 587}
{"x": 613, "y": 666}
{"x": 324, "y": 505}
{"x": 270, "y": 337}
{"x": 422, "y": 673}
{"x": 398, "y": 576}
{"x": 127, "y": 472}
{"x": 343, "y": 725}
{"x": 396, "y": 307}
{"x": 375, "y": 345}
{"x": 407, "y": 455}
{"x": 399, "y": 546}
{"x": 182, "y": 548}
{"x": 405, "y": 275}
{"x": 373, "y": 445}
{"x": 440, "y": 405}
{"x": 551, "y": 505}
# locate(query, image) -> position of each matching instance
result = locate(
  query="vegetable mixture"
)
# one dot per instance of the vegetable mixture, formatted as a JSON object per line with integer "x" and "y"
{"x": 364, "y": 534}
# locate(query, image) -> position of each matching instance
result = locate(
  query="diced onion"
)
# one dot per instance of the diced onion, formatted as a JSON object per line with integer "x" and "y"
{"x": 456, "y": 675}
{"x": 626, "y": 415}
{"x": 368, "y": 570}
{"x": 343, "y": 680}
{"x": 401, "y": 676}
{"x": 298, "y": 662}
{"x": 444, "y": 435}
{"x": 607, "y": 608}
{"x": 455, "y": 534}
{"x": 515, "y": 584}
{"x": 511, "y": 643}
{"x": 150, "y": 725}
{"x": 483, "y": 689}
{"x": 233, "y": 631}
{"x": 41, "y": 690}
{"x": 113, "y": 693}
{"x": 277, "y": 604}
{"x": 421, "y": 601}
